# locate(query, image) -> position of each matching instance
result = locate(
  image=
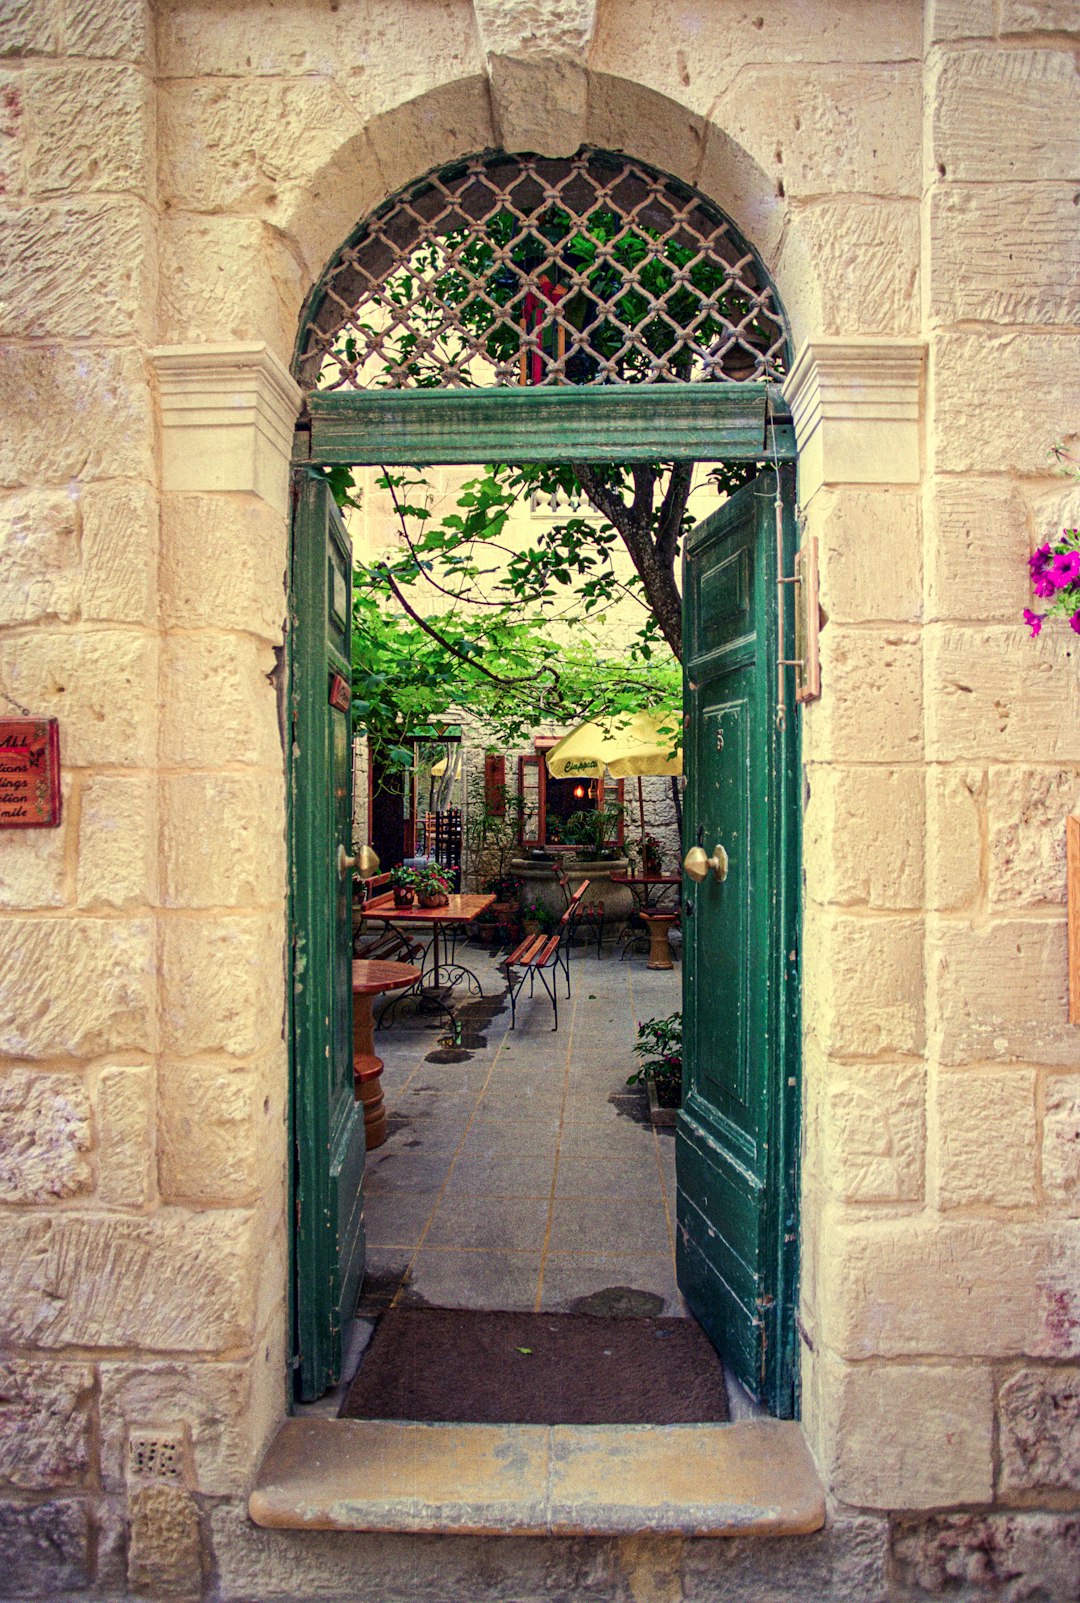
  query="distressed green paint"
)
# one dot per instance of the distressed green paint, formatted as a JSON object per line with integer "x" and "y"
{"x": 736, "y": 1140}
{"x": 627, "y": 423}
{"x": 328, "y": 1125}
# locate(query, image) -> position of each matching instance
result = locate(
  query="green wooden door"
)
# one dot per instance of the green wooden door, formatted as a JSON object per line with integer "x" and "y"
{"x": 736, "y": 1137}
{"x": 328, "y": 1121}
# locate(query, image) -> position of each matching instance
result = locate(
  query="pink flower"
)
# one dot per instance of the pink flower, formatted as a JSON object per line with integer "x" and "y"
{"x": 1075, "y": 622}
{"x": 1043, "y": 586}
{"x": 1034, "y": 620}
{"x": 1039, "y": 559}
{"x": 1065, "y": 569}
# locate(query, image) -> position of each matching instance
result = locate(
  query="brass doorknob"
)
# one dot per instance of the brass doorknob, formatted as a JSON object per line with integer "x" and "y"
{"x": 697, "y": 864}
{"x": 344, "y": 861}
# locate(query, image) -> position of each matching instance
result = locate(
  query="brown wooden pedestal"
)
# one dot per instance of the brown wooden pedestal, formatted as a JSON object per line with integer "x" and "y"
{"x": 658, "y": 924}
{"x": 370, "y": 978}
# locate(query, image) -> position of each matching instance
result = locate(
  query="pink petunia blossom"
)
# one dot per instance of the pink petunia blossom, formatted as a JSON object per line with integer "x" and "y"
{"x": 1065, "y": 569}
{"x": 1034, "y": 620}
{"x": 1043, "y": 586}
{"x": 1075, "y": 622}
{"x": 1039, "y": 559}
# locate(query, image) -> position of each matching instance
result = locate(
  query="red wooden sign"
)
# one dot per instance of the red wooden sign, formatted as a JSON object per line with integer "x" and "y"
{"x": 29, "y": 773}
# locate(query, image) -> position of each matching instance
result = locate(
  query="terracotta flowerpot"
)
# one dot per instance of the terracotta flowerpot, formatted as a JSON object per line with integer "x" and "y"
{"x": 433, "y": 898}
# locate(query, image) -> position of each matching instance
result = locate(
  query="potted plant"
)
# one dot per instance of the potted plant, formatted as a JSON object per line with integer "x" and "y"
{"x": 432, "y": 886}
{"x": 536, "y": 919}
{"x": 593, "y": 832}
{"x": 403, "y": 884}
{"x": 653, "y": 857}
{"x": 659, "y": 1045}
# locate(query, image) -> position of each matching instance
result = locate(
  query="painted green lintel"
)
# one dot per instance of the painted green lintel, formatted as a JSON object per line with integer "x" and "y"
{"x": 601, "y": 424}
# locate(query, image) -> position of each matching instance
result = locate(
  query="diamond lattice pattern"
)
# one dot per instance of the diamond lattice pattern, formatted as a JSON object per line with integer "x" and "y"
{"x": 525, "y": 270}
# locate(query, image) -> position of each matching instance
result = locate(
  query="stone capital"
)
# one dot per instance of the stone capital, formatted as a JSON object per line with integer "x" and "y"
{"x": 227, "y": 417}
{"x": 857, "y": 409}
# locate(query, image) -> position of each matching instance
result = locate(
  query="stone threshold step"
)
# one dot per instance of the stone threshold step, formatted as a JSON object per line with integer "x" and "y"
{"x": 751, "y": 1478}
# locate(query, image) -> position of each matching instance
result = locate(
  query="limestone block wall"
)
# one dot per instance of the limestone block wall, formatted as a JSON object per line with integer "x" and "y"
{"x": 177, "y": 179}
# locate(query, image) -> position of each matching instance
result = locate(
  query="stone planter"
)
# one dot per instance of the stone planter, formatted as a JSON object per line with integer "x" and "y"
{"x": 662, "y": 1118}
{"x": 540, "y": 885}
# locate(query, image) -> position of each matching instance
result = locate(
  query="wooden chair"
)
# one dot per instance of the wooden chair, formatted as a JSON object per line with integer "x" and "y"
{"x": 586, "y": 915}
{"x": 389, "y": 942}
{"x": 544, "y": 955}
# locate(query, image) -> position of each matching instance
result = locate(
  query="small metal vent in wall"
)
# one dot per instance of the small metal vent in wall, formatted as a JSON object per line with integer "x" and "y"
{"x": 527, "y": 270}
{"x": 156, "y": 1457}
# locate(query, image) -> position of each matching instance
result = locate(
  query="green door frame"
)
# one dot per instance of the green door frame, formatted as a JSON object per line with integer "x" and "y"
{"x": 746, "y": 422}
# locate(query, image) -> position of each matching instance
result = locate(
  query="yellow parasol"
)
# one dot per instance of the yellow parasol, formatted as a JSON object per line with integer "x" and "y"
{"x": 625, "y": 746}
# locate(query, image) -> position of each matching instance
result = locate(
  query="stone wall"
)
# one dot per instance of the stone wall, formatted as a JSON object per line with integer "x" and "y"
{"x": 179, "y": 179}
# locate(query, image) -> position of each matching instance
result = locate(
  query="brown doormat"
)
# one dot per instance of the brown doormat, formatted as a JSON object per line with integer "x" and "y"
{"x": 537, "y": 1369}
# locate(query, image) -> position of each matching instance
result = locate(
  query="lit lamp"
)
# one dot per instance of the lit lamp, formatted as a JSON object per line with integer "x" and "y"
{"x": 579, "y": 792}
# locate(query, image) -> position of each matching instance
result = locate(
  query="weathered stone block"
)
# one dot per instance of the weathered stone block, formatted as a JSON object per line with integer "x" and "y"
{"x": 31, "y": 28}
{"x": 174, "y": 1281}
{"x": 165, "y": 1556}
{"x": 1006, "y": 430}
{"x": 220, "y": 698}
{"x": 39, "y": 556}
{"x": 76, "y": 987}
{"x": 978, "y": 93}
{"x": 44, "y": 1423}
{"x": 45, "y": 1547}
{"x": 1003, "y": 253}
{"x": 118, "y": 840}
{"x": 952, "y": 1287}
{"x": 125, "y": 1113}
{"x": 1039, "y": 16}
{"x": 841, "y": 129}
{"x": 870, "y": 553}
{"x": 864, "y": 252}
{"x": 105, "y": 248}
{"x": 908, "y": 1435}
{"x": 1007, "y": 1555}
{"x": 960, "y": 19}
{"x": 223, "y": 564}
{"x": 992, "y": 694}
{"x": 539, "y": 103}
{"x": 233, "y": 144}
{"x": 864, "y": 984}
{"x": 986, "y": 1138}
{"x": 1061, "y": 1144}
{"x": 221, "y": 1402}
{"x": 45, "y": 1136}
{"x": 100, "y": 683}
{"x": 874, "y": 1131}
{"x": 98, "y": 406}
{"x": 120, "y": 541}
{"x": 955, "y": 813}
{"x": 861, "y": 831}
{"x": 228, "y": 278}
{"x": 92, "y": 127}
{"x": 223, "y": 984}
{"x": 34, "y": 870}
{"x": 874, "y": 709}
{"x": 1028, "y": 808}
{"x": 528, "y": 28}
{"x": 999, "y": 992}
{"x": 218, "y": 1125}
{"x": 240, "y": 862}
{"x": 977, "y": 545}
{"x": 120, "y": 29}
{"x": 615, "y": 119}
{"x": 844, "y": 1563}
{"x": 1039, "y": 1412}
{"x": 456, "y": 117}
{"x": 12, "y": 135}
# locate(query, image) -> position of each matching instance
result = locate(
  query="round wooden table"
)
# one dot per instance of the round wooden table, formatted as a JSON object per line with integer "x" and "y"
{"x": 658, "y": 924}
{"x": 371, "y": 977}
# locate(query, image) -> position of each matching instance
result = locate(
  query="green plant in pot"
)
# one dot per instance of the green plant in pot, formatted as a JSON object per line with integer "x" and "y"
{"x": 536, "y": 918}
{"x": 594, "y": 832}
{"x": 432, "y": 886}
{"x": 403, "y": 885}
{"x": 659, "y": 1046}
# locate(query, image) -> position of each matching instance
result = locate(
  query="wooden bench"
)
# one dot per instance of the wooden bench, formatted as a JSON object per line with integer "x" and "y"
{"x": 543, "y": 955}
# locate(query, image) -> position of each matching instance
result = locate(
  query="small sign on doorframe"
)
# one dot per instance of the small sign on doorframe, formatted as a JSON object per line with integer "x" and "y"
{"x": 29, "y": 773}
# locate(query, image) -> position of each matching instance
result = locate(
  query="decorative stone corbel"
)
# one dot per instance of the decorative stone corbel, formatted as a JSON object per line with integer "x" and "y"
{"x": 227, "y": 417}
{"x": 857, "y": 409}
{"x": 536, "y": 57}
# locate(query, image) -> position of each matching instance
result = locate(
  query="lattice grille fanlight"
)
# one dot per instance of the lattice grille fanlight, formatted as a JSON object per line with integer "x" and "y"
{"x": 528, "y": 270}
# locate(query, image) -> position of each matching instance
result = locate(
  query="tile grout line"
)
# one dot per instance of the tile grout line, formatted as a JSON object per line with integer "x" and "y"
{"x": 450, "y": 1169}
{"x": 544, "y": 1250}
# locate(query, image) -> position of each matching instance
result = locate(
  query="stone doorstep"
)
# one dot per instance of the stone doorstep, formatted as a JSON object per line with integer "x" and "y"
{"x": 751, "y": 1478}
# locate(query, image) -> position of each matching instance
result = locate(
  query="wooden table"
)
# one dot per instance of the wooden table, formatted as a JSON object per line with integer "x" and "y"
{"x": 371, "y": 977}
{"x": 436, "y": 973}
{"x": 648, "y": 890}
